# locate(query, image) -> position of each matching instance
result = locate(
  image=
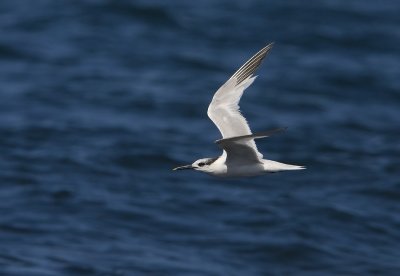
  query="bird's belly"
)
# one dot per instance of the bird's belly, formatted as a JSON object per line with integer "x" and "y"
{"x": 242, "y": 170}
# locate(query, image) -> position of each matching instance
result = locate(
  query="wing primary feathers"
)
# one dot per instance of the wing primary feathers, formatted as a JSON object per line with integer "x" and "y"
{"x": 248, "y": 69}
{"x": 262, "y": 134}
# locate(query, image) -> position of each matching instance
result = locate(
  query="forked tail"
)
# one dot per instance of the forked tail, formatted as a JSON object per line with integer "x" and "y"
{"x": 274, "y": 166}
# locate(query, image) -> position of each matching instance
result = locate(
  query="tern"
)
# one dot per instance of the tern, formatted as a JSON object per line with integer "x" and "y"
{"x": 240, "y": 156}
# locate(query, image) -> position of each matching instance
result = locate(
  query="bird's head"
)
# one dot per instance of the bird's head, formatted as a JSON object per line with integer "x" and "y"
{"x": 202, "y": 164}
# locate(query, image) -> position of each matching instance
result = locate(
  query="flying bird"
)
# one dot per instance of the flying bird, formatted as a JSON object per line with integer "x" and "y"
{"x": 240, "y": 156}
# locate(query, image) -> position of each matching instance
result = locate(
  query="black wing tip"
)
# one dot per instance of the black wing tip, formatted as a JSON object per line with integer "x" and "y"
{"x": 269, "y": 45}
{"x": 266, "y": 49}
{"x": 250, "y": 66}
{"x": 271, "y": 132}
{"x": 262, "y": 134}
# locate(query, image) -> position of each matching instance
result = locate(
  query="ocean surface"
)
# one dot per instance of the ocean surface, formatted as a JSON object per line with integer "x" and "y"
{"x": 101, "y": 99}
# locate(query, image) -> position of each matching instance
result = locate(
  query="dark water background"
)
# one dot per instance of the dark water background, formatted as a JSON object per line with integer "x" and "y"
{"x": 100, "y": 99}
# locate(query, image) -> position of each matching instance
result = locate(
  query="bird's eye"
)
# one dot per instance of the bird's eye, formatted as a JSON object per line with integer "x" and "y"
{"x": 201, "y": 164}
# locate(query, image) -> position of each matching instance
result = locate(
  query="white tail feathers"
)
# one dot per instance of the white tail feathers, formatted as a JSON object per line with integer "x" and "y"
{"x": 273, "y": 166}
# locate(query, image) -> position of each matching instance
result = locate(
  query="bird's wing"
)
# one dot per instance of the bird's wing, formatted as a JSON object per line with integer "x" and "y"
{"x": 262, "y": 134}
{"x": 224, "y": 107}
{"x": 239, "y": 150}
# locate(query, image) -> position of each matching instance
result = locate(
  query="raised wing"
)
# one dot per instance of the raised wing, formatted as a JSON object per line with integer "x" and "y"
{"x": 240, "y": 150}
{"x": 224, "y": 107}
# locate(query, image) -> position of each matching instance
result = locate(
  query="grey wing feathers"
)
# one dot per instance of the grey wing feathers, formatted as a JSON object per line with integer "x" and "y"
{"x": 262, "y": 134}
{"x": 251, "y": 65}
{"x": 240, "y": 153}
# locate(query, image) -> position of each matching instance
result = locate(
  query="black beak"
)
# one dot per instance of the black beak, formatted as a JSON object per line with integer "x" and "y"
{"x": 183, "y": 168}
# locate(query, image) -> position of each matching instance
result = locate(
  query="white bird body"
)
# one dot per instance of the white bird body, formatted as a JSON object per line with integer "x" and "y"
{"x": 240, "y": 156}
{"x": 219, "y": 168}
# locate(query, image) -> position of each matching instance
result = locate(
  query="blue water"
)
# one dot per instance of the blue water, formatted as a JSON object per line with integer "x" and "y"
{"x": 100, "y": 99}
